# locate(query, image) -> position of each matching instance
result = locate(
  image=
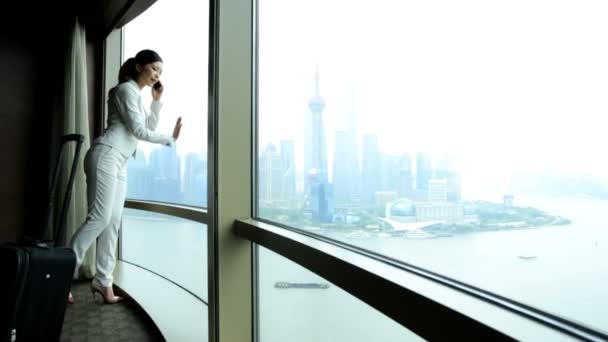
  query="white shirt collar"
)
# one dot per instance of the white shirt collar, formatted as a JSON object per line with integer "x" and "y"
{"x": 134, "y": 84}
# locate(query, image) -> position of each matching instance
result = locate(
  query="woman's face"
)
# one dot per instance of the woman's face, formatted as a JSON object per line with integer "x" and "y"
{"x": 149, "y": 73}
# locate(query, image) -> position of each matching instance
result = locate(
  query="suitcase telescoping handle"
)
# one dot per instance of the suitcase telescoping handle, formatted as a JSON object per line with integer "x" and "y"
{"x": 59, "y": 229}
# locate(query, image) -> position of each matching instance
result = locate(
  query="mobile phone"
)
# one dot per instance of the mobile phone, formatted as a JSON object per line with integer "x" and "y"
{"x": 157, "y": 85}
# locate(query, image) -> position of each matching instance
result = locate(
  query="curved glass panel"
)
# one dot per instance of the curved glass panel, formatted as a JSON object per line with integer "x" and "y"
{"x": 464, "y": 137}
{"x": 297, "y": 305}
{"x": 178, "y": 31}
{"x": 172, "y": 247}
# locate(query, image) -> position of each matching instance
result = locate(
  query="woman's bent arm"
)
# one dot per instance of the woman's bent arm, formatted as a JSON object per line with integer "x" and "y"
{"x": 127, "y": 102}
{"x": 152, "y": 119}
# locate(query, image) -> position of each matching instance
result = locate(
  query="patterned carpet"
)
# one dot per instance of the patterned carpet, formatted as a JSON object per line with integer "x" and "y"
{"x": 88, "y": 321}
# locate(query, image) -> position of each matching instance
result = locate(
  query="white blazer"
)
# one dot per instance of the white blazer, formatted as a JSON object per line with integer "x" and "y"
{"x": 128, "y": 120}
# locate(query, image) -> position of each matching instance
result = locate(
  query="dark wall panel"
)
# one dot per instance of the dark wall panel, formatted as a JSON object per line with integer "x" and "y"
{"x": 33, "y": 38}
{"x": 33, "y": 45}
{"x": 17, "y": 98}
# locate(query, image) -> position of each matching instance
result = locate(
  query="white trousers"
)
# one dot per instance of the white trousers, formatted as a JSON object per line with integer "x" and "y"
{"x": 106, "y": 171}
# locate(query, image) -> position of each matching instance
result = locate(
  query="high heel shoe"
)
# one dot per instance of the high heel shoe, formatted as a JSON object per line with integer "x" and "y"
{"x": 107, "y": 293}
{"x": 70, "y": 298}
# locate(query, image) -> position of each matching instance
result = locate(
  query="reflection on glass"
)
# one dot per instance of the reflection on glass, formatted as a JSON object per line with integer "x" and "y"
{"x": 297, "y": 305}
{"x": 177, "y": 30}
{"x": 465, "y": 137}
{"x": 173, "y": 247}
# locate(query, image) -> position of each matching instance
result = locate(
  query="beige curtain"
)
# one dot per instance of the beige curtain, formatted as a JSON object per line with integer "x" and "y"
{"x": 74, "y": 118}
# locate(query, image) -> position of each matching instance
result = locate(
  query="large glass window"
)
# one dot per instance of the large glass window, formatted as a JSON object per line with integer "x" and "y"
{"x": 172, "y": 247}
{"x": 465, "y": 137}
{"x": 316, "y": 309}
{"x": 178, "y": 31}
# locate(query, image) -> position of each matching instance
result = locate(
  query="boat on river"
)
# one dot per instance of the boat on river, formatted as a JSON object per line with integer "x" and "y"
{"x": 288, "y": 285}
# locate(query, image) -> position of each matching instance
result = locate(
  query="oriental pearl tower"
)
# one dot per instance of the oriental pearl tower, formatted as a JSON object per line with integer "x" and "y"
{"x": 315, "y": 162}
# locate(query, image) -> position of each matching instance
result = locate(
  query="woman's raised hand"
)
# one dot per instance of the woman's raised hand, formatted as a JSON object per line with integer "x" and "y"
{"x": 177, "y": 128}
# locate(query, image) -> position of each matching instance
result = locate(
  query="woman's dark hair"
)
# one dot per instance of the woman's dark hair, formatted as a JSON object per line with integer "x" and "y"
{"x": 129, "y": 71}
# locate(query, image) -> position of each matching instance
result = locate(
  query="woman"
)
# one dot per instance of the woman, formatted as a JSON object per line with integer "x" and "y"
{"x": 106, "y": 164}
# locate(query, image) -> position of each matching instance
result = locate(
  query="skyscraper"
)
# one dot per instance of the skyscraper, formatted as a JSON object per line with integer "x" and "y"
{"x": 438, "y": 190}
{"x": 139, "y": 177}
{"x": 346, "y": 178}
{"x": 288, "y": 173}
{"x": 423, "y": 171}
{"x": 270, "y": 176}
{"x": 443, "y": 167}
{"x": 454, "y": 187}
{"x": 371, "y": 169}
{"x": 195, "y": 179}
{"x": 445, "y": 170}
{"x": 389, "y": 172}
{"x": 166, "y": 171}
{"x": 404, "y": 183}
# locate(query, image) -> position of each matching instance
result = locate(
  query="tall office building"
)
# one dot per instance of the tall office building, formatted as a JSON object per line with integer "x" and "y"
{"x": 166, "y": 175}
{"x": 319, "y": 200}
{"x": 139, "y": 177}
{"x": 315, "y": 159}
{"x": 445, "y": 170}
{"x": 423, "y": 171}
{"x": 371, "y": 169}
{"x": 454, "y": 187}
{"x": 195, "y": 179}
{"x": 288, "y": 173}
{"x": 389, "y": 173}
{"x": 438, "y": 190}
{"x": 346, "y": 177}
{"x": 405, "y": 180}
{"x": 443, "y": 167}
{"x": 270, "y": 176}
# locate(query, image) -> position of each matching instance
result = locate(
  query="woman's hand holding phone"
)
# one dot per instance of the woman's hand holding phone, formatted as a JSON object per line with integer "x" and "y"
{"x": 178, "y": 127}
{"x": 157, "y": 90}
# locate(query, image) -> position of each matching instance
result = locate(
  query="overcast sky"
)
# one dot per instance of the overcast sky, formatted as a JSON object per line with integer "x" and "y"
{"x": 502, "y": 86}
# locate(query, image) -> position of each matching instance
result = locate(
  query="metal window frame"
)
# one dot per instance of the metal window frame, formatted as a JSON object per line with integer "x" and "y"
{"x": 230, "y": 170}
{"x": 186, "y": 212}
{"x": 113, "y": 47}
{"x": 254, "y": 34}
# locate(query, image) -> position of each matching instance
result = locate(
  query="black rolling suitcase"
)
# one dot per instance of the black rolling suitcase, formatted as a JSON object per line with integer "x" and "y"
{"x": 36, "y": 275}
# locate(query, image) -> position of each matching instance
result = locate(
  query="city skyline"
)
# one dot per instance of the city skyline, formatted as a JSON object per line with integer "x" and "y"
{"x": 378, "y": 178}
{"x": 161, "y": 177}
